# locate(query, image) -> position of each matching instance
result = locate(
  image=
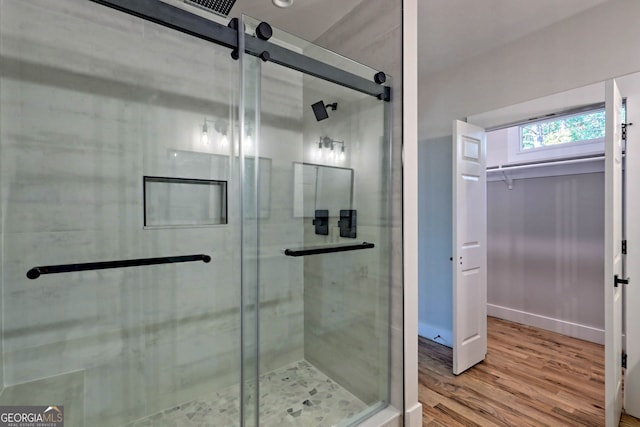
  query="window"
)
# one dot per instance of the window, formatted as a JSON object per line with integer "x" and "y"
{"x": 569, "y": 129}
{"x": 581, "y": 127}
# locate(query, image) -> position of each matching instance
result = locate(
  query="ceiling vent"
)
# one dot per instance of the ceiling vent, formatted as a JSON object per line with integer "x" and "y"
{"x": 221, "y": 7}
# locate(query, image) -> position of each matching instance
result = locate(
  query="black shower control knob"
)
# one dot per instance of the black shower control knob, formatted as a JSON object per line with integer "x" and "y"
{"x": 380, "y": 77}
{"x": 265, "y": 56}
{"x": 264, "y": 31}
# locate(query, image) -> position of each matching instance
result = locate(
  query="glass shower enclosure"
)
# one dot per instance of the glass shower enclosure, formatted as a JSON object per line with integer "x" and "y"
{"x": 195, "y": 220}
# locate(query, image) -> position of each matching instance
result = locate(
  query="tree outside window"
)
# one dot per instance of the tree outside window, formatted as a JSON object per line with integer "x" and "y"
{"x": 570, "y": 129}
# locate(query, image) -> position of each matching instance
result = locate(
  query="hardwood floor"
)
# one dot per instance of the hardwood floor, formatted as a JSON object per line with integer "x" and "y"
{"x": 629, "y": 421}
{"x": 531, "y": 377}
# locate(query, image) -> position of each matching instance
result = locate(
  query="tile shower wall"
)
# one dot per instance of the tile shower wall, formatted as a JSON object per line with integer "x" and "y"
{"x": 346, "y": 294}
{"x": 92, "y": 100}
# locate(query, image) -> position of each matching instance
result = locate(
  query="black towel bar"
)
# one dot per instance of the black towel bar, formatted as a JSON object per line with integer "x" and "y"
{"x": 35, "y": 272}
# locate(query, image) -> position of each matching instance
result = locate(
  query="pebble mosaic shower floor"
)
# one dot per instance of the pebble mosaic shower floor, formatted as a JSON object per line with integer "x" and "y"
{"x": 295, "y": 395}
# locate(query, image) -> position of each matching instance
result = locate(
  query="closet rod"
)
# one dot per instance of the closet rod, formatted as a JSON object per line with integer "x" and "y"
{"x": 541, "y": 164}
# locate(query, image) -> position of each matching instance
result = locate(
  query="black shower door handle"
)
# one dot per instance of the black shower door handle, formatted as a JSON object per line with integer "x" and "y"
{"x": 315, "y": 250}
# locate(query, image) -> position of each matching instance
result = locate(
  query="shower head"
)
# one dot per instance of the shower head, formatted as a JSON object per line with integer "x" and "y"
{"x": 221, "y": 7}
{"x": 320, "y": 109}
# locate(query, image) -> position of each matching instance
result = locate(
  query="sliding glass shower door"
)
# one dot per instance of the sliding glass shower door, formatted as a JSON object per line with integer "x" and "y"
{"x": 120, "y": 264}
{"x": 315, "y": 162}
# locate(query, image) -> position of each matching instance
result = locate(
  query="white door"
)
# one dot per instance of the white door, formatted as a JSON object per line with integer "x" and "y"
{"x": 469, "y": 246}
{"x": 632, "y": 270}
{"x": 613, "y": 255}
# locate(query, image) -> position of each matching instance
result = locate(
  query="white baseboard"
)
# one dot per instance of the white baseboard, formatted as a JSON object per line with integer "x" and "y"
{"x": 571, "y": 329}
{"x": 413, "y": 416}
{"x": 430, "y": 332}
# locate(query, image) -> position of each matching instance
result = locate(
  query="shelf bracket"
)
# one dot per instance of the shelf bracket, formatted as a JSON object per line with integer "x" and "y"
{"x": 507, "y": 180}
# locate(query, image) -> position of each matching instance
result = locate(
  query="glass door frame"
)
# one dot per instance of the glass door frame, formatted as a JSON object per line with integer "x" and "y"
{"x": 251, "y": 75}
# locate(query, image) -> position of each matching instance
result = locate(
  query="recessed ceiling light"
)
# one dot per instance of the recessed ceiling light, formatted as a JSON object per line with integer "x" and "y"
{"x": 282, "y": 3}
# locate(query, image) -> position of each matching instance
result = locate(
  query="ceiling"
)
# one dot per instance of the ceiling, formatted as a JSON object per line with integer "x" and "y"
{"x": 454, "y": 30}
{"x": 307, "y": 19}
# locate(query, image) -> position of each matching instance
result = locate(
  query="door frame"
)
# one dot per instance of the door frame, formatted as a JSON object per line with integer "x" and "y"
{"x": 521, "y": 112}
{"x": 631, "y": 229}
{"x": 613, "y": 255}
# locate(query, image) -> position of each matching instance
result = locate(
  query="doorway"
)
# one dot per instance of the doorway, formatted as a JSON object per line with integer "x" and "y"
{"x": 508, "y": 181}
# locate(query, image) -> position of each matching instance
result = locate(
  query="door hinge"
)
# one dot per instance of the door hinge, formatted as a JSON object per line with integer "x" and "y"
{"x": 624, "y": 360}
{"x": 618, "y": 281}
{"x": 624, "y": 247}
{"x": 624, "y": 130}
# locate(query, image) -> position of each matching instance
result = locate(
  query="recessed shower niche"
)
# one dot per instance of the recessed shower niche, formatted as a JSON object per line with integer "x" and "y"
{"x": 184, "y": 202}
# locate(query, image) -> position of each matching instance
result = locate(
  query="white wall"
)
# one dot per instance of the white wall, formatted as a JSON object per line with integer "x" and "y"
{"x": 545, "y": 245}
{"x": 435, "y": 307}
{"x": 497, "y": 147}
{"x": 590, "y": 47}
{"x": 412, "y": 407}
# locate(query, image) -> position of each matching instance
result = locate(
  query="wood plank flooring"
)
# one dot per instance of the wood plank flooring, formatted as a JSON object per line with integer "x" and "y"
{"x": 531, "y": 377}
